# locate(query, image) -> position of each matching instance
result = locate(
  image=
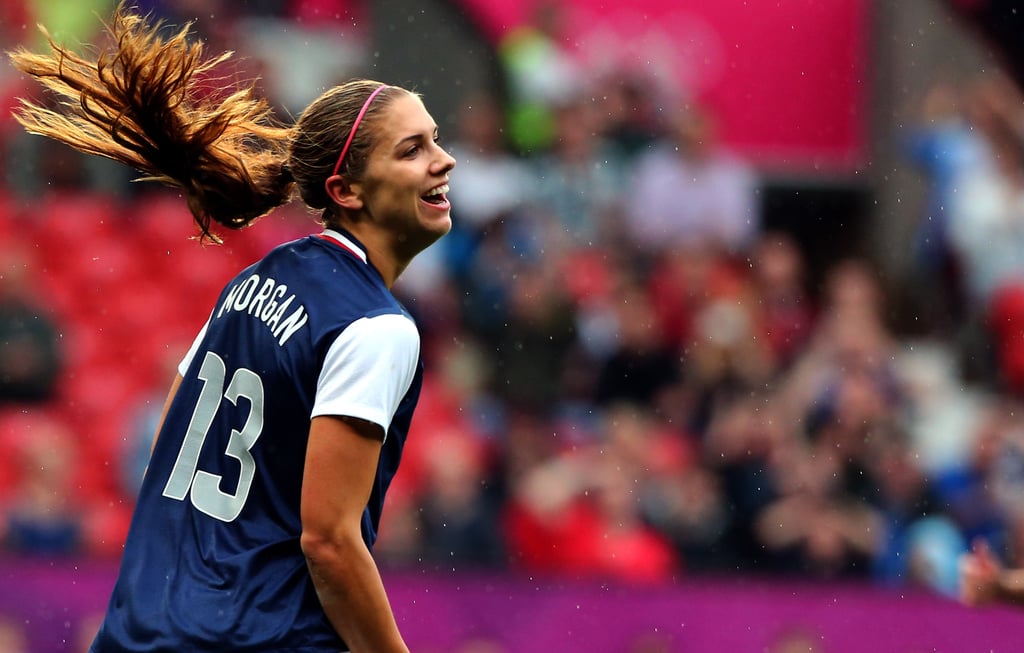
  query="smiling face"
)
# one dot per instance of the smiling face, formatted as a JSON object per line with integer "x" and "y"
{"x": 403, "y": 190}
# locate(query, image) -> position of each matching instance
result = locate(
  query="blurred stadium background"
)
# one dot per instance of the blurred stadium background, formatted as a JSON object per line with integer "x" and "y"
{"x": 725, "y": 349}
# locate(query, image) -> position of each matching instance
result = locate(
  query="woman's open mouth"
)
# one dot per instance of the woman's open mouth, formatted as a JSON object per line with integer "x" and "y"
{"x": 437, "y": 196}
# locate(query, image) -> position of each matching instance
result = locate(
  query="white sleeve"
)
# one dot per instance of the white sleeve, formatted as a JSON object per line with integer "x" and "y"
{"x": 185, "y": 362}
{"x": 368, "y": 369}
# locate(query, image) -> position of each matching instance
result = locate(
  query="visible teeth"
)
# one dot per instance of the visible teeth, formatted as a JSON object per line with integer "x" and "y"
{"x": 440, "y": 190}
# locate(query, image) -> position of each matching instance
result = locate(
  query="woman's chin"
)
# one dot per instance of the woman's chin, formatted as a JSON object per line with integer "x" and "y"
{"x": 429, "y": 233}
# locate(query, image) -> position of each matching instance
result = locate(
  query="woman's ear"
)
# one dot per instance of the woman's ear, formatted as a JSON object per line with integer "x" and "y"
{"x": 343, "y": 193}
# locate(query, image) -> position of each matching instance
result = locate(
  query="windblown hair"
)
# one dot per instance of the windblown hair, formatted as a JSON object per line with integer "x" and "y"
{"x": 146, "y": 103}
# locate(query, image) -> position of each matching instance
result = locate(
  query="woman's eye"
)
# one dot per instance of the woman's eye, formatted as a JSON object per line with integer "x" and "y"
{"x": 412, "y": 151}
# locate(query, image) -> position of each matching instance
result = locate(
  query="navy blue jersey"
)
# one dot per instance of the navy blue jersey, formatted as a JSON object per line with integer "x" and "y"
{"x": 212, "y": 561}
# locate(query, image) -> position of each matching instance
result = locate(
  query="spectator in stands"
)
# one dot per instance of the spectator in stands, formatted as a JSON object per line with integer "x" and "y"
{"x": 678, "y": 495}
{"x": 985, "y": 579}
{"x": 42, "y": 516}
{"x": 850, "y": 347}
{"x": 933, "y": 546}
{"x": 629, "y": 107}
{"x": 986, "y": 229}
{"x": 680, "y": 282}
{"x": 729, "y": 354}
{"x": 785, "y": 312}
{"x": 457, "y": 504}
{"x": 918, "y": 544}
{"x": 641, "y": 365}
{"x": 14, "y": 20}
{"x": 578, "y": 515}
{"x": 30, "y": 356}
{"x": 755, "y": 454}
{"x": 824, "y": 531}
{"x": 945, "y": 147}
{"x": 1000, "y": 470}
{"x": 688, "y": 189}
{"x": 530, "y": 348}
{"x": 984, "y": 217}
{"x": 978, "y": 492}
{"x": 541, "y": 73}
{"x": 300, "y": 46}
{"x": 577, "y": 181}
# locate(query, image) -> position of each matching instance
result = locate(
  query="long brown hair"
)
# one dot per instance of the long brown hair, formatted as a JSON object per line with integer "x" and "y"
{"x": 145, "y": 102}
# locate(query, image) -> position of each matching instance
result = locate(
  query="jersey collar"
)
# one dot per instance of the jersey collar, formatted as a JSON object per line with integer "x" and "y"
{"x": 345, "y": 241}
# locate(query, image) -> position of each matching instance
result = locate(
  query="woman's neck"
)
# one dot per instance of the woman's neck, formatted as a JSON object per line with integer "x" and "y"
{"x": 380, "y": 251}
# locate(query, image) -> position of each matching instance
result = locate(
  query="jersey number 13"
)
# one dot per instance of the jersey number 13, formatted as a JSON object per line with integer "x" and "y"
{"x": 203, "y": 487}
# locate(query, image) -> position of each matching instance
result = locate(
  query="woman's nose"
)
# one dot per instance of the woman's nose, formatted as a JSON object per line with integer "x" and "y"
{"x": 445, "y": 160}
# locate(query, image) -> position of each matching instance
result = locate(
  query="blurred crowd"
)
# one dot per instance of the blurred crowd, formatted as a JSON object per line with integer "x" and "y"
{"x": 629, "y": 376}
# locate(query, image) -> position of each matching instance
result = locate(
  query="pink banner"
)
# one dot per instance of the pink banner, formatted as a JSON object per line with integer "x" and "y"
{"x": 57, "y": 604}
{"x": 788, "y": 78}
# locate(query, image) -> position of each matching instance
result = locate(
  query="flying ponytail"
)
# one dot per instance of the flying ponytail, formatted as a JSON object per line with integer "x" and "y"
{"x": 143, "y": 102}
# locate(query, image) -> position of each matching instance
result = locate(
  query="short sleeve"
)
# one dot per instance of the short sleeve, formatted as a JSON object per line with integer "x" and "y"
{"x": 368, "y": 369}
{"x": 191, "y": 353}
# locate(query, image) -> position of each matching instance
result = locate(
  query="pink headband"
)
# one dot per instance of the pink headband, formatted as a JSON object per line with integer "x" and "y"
{"x": 355, "y": 126}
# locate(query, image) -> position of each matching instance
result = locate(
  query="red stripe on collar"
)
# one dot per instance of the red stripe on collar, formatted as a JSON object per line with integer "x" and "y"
{"x": 344, "y": 244}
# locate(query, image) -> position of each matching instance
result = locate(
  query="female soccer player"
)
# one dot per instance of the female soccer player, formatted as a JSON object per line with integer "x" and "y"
{"x": 255, "y": 522}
